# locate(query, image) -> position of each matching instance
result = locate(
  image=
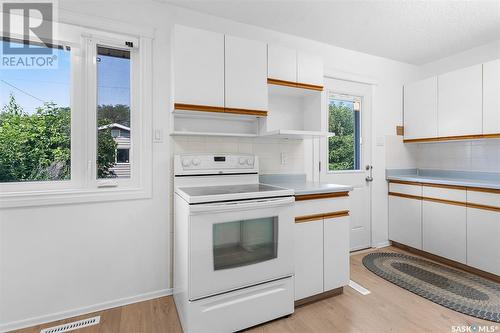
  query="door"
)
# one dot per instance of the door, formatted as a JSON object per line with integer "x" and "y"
{"x": 405, "y": 221}
{"x": 336, "y": 247}
{"x": 245, "y": 74}
{"x": 460, "y": 99}
{"x": 281, "y": 63}
{"x": 239, "y": 244}
{"x": 308, "y": 249}
{"x": 421, "y": 109}
{"x": 491, "y": 97}
{"x": 309, "y": 69}
{"x": 346, "y": 157}
{"x": 483, "y": 247}
{"x": 198, "y": 67}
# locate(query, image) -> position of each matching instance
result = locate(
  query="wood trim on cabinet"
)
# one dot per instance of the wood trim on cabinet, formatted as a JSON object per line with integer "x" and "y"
{"x": 405, "y": 182}
{"x": 408, "y": 196}
{"x": 315, "y": 217}
{"x": 321, "y": 196}
{"x": 484, "y": 190}
{"x": 483, "y": 207}
{"x": 219, "y": 109}
{"x": 444, "y": 201}
{"x": 457, "y": 137}
{"x": 201, "y": 108}
{"x": 319, "y": 297}
{"x": 294, "y": 84}
{"x": 448, "y": 262}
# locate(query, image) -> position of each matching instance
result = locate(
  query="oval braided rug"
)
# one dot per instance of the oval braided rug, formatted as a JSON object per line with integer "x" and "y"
{"x": 456, "y": 290}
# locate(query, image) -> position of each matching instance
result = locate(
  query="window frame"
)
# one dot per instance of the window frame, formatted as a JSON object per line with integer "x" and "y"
{"x": 82, "y": 186}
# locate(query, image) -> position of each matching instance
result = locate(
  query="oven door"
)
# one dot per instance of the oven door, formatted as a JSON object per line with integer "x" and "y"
{"x": 238, "y": 244}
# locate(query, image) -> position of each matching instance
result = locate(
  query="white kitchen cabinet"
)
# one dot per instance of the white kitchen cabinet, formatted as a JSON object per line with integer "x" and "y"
{"x": 460, "y": 96}
{"x": 483, "y": 240}
{"x": 245, "y": 74}
{"x": 444, "y": 230}
{"x": 309, "y": 69}
{"x": 491, "y": 97}
{"x": 308, "y": 252}
{"x": 421, "y": 109}
{"x": 281, "y": 63}
{"x": 405, "y": 221}
{"x": 198, "y": 67}
{"x": 336, "y": 252}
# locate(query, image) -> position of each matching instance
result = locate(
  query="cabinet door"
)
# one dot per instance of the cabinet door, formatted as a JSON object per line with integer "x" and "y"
{"x": 491, "y": 97}
{"x": 308, "y": 251}
{"x": 405, "y": 221}
{"x": 198, "y": 67}
{"x": 444, "y": 230}
{"x": 421, "y": 109}
{"x": 281, "y": 63}
{"x": 460, "y": 95}
{"x": 245, "y": 74}
{"x": 336, "y": 252}
{"x": 309, "y": 69}
{"x": 483, "y": 240}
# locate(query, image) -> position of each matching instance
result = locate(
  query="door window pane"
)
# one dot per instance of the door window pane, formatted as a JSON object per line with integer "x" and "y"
{"x": 344, "y": 149}
{"x": 35, "y": 116}
{"x": 113, "y": 112}
{"x": 245, "y": 242}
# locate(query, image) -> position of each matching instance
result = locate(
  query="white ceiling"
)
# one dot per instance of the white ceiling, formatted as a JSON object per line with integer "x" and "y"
{"x": 411, "y": 31}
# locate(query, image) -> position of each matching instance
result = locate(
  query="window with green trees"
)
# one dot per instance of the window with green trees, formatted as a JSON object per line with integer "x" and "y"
{"x": 344, "y": 149}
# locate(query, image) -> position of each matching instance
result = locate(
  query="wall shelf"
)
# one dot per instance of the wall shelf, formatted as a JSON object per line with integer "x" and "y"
{"x": 296, "y": 134}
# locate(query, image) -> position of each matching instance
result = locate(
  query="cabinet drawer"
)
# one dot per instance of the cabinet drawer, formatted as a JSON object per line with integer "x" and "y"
{"x": 321, "y": 206}
{"x": 450, "y": 194}
{"x": 483, "y": 198}
{"x": 415, "y": 190}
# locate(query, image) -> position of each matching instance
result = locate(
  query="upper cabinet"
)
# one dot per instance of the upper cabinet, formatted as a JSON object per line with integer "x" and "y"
{"x": 459, "y": 105}
{"x": 245, "y": 74}
{"x": 421, "y": 109}
{"x": 309, "y": 69}
{"x": 460, "y": 102}
{"x": 198, "y": 67}
{"x": 291, "y": 68}
{"x": 281, "y": 63}
{"x": 491, "y": 97}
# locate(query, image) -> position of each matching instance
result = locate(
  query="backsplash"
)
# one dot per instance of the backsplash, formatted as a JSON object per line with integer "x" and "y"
{"x": 477, "y": 155}
{"x": 268, "y": 150}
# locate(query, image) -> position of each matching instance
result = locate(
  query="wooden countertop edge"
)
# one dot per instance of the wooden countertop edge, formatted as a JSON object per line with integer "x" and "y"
{"x": 315, "y": 196}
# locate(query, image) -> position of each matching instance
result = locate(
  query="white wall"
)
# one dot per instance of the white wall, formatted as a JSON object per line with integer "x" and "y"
{"x": 56, "y": 261}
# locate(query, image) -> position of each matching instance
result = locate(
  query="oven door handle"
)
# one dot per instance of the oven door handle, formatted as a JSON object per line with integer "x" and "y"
{"x": 238, "y": 205}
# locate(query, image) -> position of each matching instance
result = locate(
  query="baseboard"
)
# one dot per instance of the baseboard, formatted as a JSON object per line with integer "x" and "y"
{"x": 319, "y": 297}
{"x": 83, "y": 310}
{"x": 383, "y": 244}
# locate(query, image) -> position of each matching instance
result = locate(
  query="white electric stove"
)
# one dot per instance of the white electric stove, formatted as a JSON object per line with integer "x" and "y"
{"x": 233, "y": 265}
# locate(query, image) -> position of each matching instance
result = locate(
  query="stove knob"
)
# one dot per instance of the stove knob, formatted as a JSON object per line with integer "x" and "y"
{"x": 186, "y": 162}
{"x": 249, "y": 161}
{"x": 242, "y": 160}
{"x": 196, "y": 161}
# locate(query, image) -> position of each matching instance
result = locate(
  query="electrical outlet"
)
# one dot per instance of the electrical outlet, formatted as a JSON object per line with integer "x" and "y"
{"x": 284, "y": 158}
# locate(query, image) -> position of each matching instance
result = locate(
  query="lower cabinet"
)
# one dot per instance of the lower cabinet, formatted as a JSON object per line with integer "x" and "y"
{"x": 308, "y": 251}
{"x": 321, "y": 247}
{"x": 336, "y": 252}
{"x": 405, "y": 221}
{"x": 444, "y": 230}
{"x": 483, "y": 240}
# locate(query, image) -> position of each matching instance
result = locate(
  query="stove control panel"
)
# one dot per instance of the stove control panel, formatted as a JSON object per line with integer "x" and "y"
{"x": 215, "y": 164}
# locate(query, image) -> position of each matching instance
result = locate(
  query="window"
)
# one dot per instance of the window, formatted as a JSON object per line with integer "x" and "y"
{"x": 76, "y": 127}
{"x": 113, "y": 109}
{"x": 122, "y": 155}
{"x": 344, "y": 119}
{"x": 35, "y": 119}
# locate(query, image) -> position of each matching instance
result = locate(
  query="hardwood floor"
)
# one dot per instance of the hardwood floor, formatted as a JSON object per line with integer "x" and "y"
{"x": 388, "y": 308}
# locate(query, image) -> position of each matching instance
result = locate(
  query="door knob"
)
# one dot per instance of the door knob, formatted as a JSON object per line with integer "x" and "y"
{"x": 370, "y": 177}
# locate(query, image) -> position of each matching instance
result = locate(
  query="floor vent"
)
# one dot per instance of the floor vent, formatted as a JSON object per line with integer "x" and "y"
{"x": 73, "y": 326}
